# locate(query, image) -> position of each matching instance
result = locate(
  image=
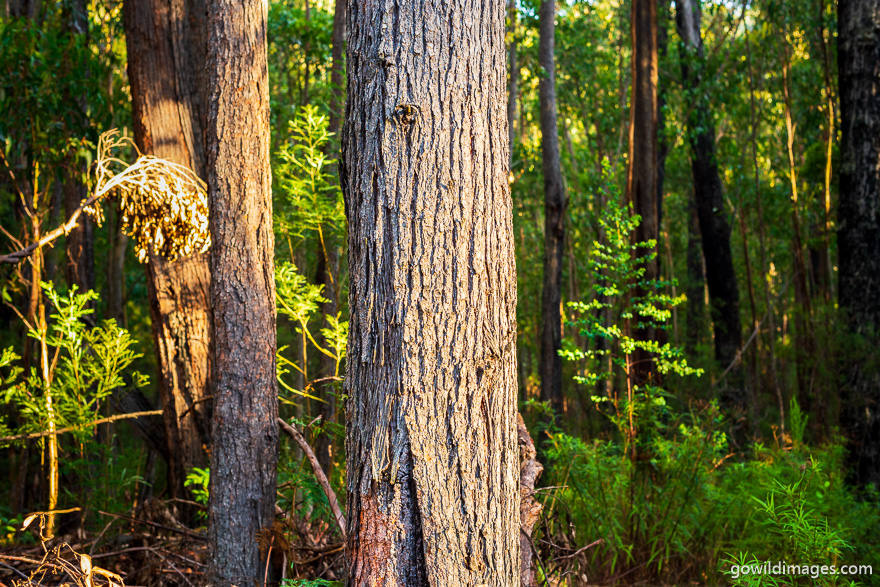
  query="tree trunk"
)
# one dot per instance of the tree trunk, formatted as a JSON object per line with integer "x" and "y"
{"x": 554, "y": 217}
{"x": 859, "y": 217}
{"x": 80, "y": 246}
{"x": 166, "y": 55}
{"x": 329, "y": 252}
{"x": 529, "y": 507}
{"x": 433, "y": 483}
{"x": 695, "y": 284}
{"x": 642, "y": 173}
{"x": 714, "y": 226}
{"x": 244, "y": 431}
{"x": 513, "y": 76}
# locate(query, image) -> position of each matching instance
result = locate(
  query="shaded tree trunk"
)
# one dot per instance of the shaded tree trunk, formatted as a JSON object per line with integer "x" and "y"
{"x": 80, "y": 246}
{"x": 859, "y": 217}
{"x": 166, "y": 56}
{"x": 695, "y": 283}
{"x": 329, "y": 255}
{"x": 554, "y": 216}
{"x": 433, "y": 484}
{"x": 642, "y": 173}
{"x": 244, "y": 431}
{"x": 714, "y": 226}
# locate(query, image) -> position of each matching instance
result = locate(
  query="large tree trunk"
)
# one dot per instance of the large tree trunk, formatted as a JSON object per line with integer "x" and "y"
{"x": 642, "y": 174}
{"x": 554, "y": 217}
{"x": 166, "y": 57}
{"x": 244, "y": 431}
{"x": 714, "y": 226}
{"x": 433, "y": 484}
{"x": 859, "y": 217}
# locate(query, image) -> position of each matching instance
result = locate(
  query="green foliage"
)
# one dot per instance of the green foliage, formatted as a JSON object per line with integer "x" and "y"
{"x": 85, "y": 365}
{"x": 624, "y": 295}
{"x": 310, "y": 198}
{"x": 310, "y": 583}
{"x": 199, "y": 480}
{"x": 298, "y": 300}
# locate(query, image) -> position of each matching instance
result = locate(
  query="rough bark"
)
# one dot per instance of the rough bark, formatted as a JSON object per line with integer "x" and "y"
{"x": 554, "y": 216}
{"x": 433, "y": 484}
{"x": 642, "y": 173}
{"x": 166, "y": 57}
{"x": 709, "y": 196}
{"x": 244, "y": 431}
{"x": 859, "y": 217}
{"x": 529, "y": 507}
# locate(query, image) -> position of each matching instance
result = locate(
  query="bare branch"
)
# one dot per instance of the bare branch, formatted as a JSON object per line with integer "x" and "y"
{"x": 319, "y": 472}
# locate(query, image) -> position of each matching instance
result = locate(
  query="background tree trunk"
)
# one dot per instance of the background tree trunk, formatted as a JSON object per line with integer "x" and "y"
{"x": 245, "y": 448}
{"x": 166, "y": 55}
{"x": 642, "y": 174}
{"x": 554, "y": 217}
{"x": 433, "y": 483}
{"x": 708, "y": 194}
{"x": 328, "y": 265}
{"x": 859, "y": 216}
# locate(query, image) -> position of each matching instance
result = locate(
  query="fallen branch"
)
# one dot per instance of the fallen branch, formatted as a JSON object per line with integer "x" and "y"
{"x": 319, "y": 473}
{"x": 80, "y": 427}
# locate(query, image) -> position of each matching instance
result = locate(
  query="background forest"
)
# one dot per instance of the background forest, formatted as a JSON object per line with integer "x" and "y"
{"x": 685, "y": 365}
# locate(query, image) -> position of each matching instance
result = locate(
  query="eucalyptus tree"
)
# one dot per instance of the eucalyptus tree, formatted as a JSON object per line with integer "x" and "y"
{"x": 859, "y": 217}
{"x": 709, "y": 197}
{"x": 433, "y": 489}
{"x": 554, "y": 215}
{"x": 245, "y": 393}
{"x": 166, "y": 61}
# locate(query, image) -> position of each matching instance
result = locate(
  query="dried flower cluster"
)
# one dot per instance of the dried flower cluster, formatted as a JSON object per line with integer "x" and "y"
{"x": 164, "y": 205}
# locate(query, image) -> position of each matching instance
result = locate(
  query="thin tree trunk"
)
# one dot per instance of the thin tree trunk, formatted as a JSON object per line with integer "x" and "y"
{"x": 765, "y": 270}
{"x": 244, "y": 430}
{"x": 166, "y": 57}
{"x": 554, "y": 217}
{"x": 714, "y": 226}
{"x": 695, "y": 283}
{"x": 80, "y": 246}
{"x": 513, "y": 75}
{"x": 642, "y": 174}
{"x": 433, "y": 484}
{"x": 329, "y": 250}
{"x": 858, "y": 235}
{"x": 803, "y": 333}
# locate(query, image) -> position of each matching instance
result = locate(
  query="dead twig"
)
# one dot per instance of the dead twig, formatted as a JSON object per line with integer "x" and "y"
{"x": 81, "y": 426}
{"x": 319, "y": 473}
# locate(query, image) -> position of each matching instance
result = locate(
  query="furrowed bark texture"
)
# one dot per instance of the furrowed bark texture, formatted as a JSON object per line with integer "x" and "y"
{"x": 709, "y": 196}
{"x": 433, "y": 473}
{"x": 244, "y": 431}
{"x": 166, "y": 55}
{"x": 554, "y": 216}
{"x": 641, "y": 181}
{"x": 529, "y": 507}
{"x": 859, "y": 217}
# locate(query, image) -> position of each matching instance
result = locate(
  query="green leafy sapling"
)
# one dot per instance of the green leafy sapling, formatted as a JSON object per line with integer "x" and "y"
{"x": 310, "y": 199}
{"x": 85, "y": 365}
{"x": 298, "y": 299}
